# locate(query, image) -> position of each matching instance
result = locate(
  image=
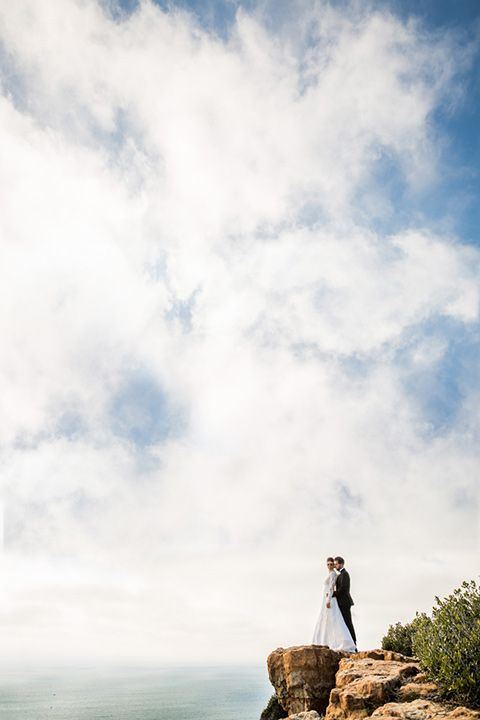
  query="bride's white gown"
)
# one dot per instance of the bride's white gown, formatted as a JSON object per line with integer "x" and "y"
{"x": 330, "y": 628}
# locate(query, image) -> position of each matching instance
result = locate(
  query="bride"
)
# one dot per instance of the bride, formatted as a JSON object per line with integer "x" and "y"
{"x": 330, "y": 629}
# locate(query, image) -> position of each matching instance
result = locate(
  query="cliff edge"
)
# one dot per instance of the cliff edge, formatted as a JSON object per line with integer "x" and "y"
{"x": 312, "y": 680}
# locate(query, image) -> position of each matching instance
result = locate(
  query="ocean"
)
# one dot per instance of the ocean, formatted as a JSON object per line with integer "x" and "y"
{"x": 214, "y": 693}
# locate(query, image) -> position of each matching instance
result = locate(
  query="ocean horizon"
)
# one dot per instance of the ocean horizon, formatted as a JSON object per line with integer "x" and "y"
{"x": 134, "y": 693}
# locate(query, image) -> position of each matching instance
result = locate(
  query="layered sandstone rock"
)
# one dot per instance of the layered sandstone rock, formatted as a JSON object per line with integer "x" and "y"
{"x": 419, "y": 687}
{"x": 303, "y": 676}
{"x": 363, "y": 684}
{"x": 422, "y": 709}
{"x": 377, "y": 683}
{"x": 384, "y": 655}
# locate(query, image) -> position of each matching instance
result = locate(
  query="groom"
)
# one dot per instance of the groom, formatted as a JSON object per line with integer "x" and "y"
{"x": 342, "y": 593}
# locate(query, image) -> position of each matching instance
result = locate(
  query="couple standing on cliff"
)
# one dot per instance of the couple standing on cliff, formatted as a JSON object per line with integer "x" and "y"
{"x": 334, "y": 626}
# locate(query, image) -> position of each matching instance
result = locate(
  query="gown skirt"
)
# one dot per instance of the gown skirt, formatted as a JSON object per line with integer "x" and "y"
{"x": 330, "y": 629}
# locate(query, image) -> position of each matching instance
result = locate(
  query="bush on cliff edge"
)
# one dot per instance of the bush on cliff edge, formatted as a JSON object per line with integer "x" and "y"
{"x": 399, "y": 638}
{"x": 447, "y": 644}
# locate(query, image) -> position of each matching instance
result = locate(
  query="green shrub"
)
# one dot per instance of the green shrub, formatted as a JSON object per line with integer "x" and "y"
{"x": 447, "y": 644}
{"x": 274, "y": 710}
{"x": 399, "y": 638}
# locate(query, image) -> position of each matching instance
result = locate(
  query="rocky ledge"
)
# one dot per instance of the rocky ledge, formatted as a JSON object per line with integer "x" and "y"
{"x": 312, "y": 680}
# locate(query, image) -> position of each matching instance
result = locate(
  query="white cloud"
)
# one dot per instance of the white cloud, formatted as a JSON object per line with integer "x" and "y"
{"x": 181, "y": 252}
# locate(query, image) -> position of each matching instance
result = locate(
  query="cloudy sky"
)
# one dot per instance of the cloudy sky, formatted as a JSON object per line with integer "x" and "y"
{"x": 239, "y": 286}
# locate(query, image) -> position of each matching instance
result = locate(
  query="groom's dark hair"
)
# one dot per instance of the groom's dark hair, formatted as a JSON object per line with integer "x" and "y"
{"x": 340, "y": 560}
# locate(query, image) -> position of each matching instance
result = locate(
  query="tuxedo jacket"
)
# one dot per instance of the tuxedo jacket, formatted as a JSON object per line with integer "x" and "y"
{"x": 342, "y": 589}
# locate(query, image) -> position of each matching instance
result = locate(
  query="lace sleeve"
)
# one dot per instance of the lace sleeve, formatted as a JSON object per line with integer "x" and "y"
{"x": 331, "y": 587}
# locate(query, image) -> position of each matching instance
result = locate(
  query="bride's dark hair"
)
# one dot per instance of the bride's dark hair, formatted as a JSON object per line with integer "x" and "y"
{"x": 329, "y": 559}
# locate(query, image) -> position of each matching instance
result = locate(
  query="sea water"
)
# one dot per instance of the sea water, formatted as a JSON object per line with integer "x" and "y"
{"x": 233, "y": 693}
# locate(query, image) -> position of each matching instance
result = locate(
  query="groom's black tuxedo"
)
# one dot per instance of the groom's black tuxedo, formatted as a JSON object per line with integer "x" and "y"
{"x": 344, "y": 599}
{"x": 342, "y": 589}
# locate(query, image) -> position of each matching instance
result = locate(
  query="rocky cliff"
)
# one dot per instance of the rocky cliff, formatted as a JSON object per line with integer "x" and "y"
{"x": 312, "y": 680}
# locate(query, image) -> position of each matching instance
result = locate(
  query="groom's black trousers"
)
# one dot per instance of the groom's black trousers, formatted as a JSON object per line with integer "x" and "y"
{"x": 346, "y": 611}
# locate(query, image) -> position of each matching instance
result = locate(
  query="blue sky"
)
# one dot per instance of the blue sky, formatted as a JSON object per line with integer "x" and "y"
{"x": 454, "y": 197}
{"x": 240, "y": 291}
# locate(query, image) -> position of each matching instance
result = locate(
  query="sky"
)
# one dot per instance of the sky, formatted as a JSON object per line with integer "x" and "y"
{"x": 239, "y": 285}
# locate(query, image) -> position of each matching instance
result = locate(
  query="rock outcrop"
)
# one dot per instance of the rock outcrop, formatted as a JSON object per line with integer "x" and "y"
{"x": 311, "y": 679}
{"x": 303, "y": 676}
{"x": 423, "y": 710}
{"x": 419, "y": 686}
{"x": 365, "y": 682}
